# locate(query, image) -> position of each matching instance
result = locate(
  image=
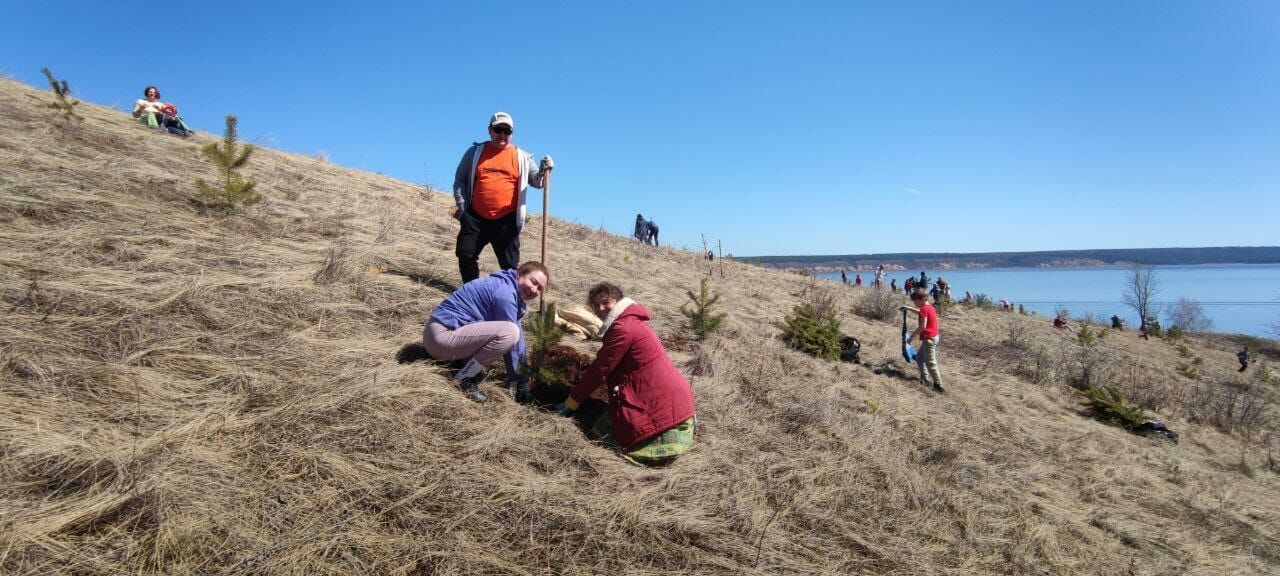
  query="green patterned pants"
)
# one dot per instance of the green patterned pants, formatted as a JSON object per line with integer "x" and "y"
{"x": 658, "y": 451}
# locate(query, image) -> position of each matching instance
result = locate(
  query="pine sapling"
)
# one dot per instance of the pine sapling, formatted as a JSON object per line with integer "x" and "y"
{"x": 542, "y": 333}
{"x": 813, "y": 330}
{"x": 552, "y": 368}
{"x": 63, "y": 102}
{"x": 229, "y": 156}
{"x": 702, "y": 320}
{"x": 1107, "y": 405}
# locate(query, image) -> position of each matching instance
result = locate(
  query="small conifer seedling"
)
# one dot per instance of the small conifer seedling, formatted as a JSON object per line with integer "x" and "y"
{"x": 63, "y": 102}
{"x": 552, "y": 368}
{"x": 229, "y": 156}
{"x": 702, "y": 320}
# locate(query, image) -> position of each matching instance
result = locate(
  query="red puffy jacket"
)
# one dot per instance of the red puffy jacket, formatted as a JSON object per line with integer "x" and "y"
{"x": 647, "y": 394}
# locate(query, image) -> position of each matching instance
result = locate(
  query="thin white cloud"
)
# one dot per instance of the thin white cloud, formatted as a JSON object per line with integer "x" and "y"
{"x": 912, "y": 191}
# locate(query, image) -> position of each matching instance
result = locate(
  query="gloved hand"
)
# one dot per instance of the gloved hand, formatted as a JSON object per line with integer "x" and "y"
{"x": 547, "y": 163}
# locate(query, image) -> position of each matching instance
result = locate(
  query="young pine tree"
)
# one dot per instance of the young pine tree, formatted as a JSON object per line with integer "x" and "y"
{"x": 542, "y": 333}
{"x": 699, "y": 312}
{"x": 63, "y": 103}
{"x": 229, "y": 155}
{"x": 813, "y": 330}
{"x": 1107, "y": 405}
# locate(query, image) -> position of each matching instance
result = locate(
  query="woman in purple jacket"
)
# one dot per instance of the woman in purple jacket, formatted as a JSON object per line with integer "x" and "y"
{"x": 481, "y": 322}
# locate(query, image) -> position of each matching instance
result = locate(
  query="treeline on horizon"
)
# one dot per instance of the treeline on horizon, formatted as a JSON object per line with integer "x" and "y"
{"x": 1120, "y": 256}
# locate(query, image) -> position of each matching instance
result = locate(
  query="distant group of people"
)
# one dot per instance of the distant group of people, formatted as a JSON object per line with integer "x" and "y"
{"x": 940, "y": 291}
{"x": 159, "y": 115}
{"x": 646, "y": 230}
{"x": 649, "y": 417}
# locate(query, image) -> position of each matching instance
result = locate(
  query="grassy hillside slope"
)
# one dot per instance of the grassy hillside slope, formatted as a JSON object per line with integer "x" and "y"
{"x": 188, "y": 393}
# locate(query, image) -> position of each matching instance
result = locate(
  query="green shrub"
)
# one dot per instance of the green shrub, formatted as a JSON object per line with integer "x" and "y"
{"x": 229, "y": 156}
{"x": 702, "y": 320}
{"x": 983, "y": 301}
{"x": 813, "y": 331}
{"x": 1107, "y": 405}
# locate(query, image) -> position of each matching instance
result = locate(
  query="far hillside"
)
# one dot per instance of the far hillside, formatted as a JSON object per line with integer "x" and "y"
{"x": 1113, "y": 257}
{"x": 184, "y": 391}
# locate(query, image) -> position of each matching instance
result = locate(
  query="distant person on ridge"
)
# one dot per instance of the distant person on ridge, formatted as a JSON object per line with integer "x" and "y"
{"x": 909, "y": 285}
{"x": 879, "y": 281}
{"x": 893, "y": 284}
{"x": 642, "y": 228}
{"x": 927, "y": 331}
{"x": 923, "y": 282}
{"x": 651, "y": 233}
{"x": 650, "y": 416}
{"x": 857, "y": 280}
{"x": 481, "y": 322}
{"x": 1116, "y": 323}
{"x": 1243, "y": 357}
{"x": 843, "y": 279}
{"x": 489, "y": 190}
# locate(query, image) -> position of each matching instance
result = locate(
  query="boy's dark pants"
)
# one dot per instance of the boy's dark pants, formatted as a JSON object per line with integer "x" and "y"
{"x": 476, "y": 232}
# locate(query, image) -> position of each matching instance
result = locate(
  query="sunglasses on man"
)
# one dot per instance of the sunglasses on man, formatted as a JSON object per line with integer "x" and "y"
{"x": 501, "y": 129}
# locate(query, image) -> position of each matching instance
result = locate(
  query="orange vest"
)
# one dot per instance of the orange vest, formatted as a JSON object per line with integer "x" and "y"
{"x": 497, "y": 182}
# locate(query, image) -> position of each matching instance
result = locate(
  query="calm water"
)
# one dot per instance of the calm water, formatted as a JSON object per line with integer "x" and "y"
{"x": 1238, "y": 298}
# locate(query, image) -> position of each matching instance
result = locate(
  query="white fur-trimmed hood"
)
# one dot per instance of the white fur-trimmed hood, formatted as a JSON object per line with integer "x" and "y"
{"x": 618, "y": 309}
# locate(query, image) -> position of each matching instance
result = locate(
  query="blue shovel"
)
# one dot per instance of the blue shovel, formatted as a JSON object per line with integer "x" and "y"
{"x": 908, "y": 351}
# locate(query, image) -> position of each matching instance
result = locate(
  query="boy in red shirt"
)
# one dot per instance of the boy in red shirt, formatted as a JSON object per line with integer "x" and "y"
{"x": 927, "y": 331}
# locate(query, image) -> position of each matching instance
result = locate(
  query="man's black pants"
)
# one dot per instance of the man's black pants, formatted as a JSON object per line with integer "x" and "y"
{"x": 476, "y": 233}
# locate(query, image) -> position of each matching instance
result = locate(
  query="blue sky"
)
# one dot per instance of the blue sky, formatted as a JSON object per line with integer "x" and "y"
{"x": 779, "y": 128}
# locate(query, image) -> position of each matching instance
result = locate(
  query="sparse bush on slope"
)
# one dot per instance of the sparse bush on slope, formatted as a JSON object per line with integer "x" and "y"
{"x": 877, "y": 304}
{"x": 63, "y": 102}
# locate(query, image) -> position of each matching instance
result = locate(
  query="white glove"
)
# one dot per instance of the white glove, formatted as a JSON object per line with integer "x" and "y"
{"x": 547, "y": 164}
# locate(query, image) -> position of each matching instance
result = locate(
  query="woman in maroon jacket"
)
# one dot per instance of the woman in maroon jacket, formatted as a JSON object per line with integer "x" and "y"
{"x": 651, "y": 415}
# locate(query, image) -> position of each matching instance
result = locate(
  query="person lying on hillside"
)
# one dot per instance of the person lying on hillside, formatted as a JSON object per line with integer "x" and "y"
{"x": 1061, "y": 323}
{"x": 157, "y": 114}
{"x": 481, "y": 322}
{"x": 650, "y": 415}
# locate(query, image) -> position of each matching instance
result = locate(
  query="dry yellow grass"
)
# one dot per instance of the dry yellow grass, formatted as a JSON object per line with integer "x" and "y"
{"x": 196, "y": 394}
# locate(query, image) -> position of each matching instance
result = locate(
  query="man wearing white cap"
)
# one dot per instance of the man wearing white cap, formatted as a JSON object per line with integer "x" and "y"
{"x": 489, "y": 188}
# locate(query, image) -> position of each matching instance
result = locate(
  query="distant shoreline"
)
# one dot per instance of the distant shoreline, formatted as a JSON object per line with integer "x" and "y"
{"x": 1227, "y": 255}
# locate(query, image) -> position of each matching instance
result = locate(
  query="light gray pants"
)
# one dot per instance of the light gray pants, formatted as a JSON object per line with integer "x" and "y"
{"x": 927, "y": 360}
{"x": 484, "y": 342}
